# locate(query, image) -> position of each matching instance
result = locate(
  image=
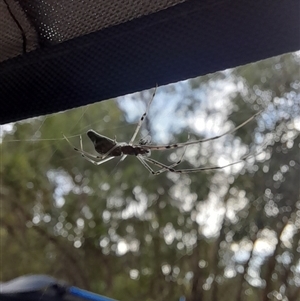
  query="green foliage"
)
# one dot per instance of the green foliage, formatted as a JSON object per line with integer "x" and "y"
{"x": 119, "y": 231}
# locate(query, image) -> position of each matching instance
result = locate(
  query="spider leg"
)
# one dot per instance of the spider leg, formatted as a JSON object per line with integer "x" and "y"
{"x": 177, "y": 145}
{"x": 193, "y": 170}
{"x": 139, "y": 124}
{"x": 142, "y": 119}
{"x": 146, "y": 165}
{"x": 97, "y": 162}
{"x": 183, "y": 171}
{"x": 81, "y": 151}
{"x": 142, "y": 160}
{"x": 163, "y": 167}
{"x": 90, "y": 157}
{"x": 122, "y": 158}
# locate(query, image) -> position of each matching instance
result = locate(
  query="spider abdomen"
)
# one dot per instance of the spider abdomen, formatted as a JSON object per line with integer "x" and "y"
{"x": 106, "y": 146}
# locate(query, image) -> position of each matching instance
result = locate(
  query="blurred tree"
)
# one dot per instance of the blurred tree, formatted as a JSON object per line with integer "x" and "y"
{"x": 116, "y": 230}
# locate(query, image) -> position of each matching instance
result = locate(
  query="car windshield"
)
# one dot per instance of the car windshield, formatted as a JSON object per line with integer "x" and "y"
{"x": 142, "y": 209}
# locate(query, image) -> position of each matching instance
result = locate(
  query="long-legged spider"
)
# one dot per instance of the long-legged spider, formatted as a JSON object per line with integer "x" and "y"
{"x": 110, "y": 148}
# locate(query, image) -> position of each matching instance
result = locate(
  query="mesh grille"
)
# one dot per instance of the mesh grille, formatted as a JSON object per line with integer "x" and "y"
{"x": 17, "y": 34}
{"x": 31, "y": 24}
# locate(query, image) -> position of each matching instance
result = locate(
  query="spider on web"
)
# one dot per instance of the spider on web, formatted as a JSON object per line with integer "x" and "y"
{"x": 109, "y": 148}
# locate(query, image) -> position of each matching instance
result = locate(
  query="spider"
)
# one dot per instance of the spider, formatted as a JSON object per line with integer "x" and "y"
{"x": 109, "y": 148}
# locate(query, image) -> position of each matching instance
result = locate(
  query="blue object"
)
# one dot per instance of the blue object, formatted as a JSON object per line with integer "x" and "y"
{"x": 44, "y": 288}
{"x": 74, "y": 291}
